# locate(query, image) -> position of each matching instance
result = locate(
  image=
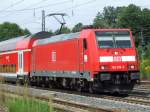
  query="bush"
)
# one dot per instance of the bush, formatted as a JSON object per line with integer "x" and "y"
{"x": 145, "y": 69}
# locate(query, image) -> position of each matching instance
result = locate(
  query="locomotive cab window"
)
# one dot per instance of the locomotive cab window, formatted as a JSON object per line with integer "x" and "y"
{"x": 113, "y": 39}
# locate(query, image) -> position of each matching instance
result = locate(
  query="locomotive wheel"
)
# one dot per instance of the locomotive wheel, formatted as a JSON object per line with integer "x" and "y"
{"x": 51, "y": 85}
{"x": 79, "y": 88}
{"x": 80, "y": 85}
{"x": 91, "y": 89}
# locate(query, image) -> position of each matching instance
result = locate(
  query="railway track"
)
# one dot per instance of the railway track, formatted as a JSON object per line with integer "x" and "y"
{"x": 131, "y": 99}
{"x": 145, "y": 82}
{"x": 139, "y": 95}
{"x": 60, "y": 104}
{"x": 64, "y": 105}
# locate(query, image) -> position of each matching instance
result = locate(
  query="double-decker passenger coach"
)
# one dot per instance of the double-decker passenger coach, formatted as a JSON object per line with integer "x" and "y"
{"x": 15, "y": 56}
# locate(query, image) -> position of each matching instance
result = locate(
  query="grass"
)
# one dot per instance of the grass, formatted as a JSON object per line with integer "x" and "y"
{"x": 27, "y": 105}
{"x": 23, "y": 103}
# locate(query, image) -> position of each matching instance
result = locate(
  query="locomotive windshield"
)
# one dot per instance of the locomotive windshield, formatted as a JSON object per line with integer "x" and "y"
{"x": 113, "y": 39}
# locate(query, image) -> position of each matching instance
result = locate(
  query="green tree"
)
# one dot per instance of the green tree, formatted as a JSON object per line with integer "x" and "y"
{"x": 26, "y": 31}
{"x": 11, "y": 30}
{"x": 147, "y": 51}
{"x": 51, "y": 32}
{"x": 130, "y": 17}
{"x": 137, "y": 20}
{"x": 63, "y": 30}
{"x": 99, "y": 21}
{"x": 108, "y": 18}
{"x": 146, "y": 25}
{"x": 77, "y": 27}
{"x": 110, "y": 15}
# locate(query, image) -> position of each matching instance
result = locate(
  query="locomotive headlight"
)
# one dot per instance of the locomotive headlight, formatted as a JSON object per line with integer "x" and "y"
{"x": 131, "y": 67}
{"x": 103, "y": 67}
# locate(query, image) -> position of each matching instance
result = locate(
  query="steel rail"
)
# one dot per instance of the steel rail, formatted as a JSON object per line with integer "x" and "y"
{"x": 59, "y": 104}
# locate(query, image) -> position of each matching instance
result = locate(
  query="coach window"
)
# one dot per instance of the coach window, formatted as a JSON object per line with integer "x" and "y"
{"x": 2, "y": 68}
{"x": 14, "y": 68}
{"x": 11, "y": 68}
{"x": 5, "y": 68}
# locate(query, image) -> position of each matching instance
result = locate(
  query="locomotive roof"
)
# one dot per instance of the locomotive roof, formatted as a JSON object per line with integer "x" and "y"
{"x": 58, "y": 38}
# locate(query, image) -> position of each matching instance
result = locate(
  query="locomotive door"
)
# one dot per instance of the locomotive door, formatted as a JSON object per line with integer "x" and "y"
{"x": 81, "y": 44}
{"x": 20, "y": 63}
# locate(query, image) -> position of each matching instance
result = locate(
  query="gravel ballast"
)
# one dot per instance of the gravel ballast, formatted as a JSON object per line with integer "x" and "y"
{"x": 92, "y": 101}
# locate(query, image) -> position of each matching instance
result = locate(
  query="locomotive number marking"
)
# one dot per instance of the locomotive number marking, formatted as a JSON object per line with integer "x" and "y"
{"x": 7, "y": 58}
{"x": 118, "y": 67}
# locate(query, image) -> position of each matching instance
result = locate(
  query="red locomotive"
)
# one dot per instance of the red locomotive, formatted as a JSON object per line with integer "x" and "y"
{"x": 93, "y": 59}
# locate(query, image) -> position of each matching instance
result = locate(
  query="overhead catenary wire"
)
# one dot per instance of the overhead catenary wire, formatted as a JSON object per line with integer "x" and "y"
{"x": 37, "y": 3}
{"x": 32, "y": 9}
{"x": 39, "y": 7}
{"x": 12, "y": 5}
{"x": 77, "y": 5}
{"x": 50, "y": 5}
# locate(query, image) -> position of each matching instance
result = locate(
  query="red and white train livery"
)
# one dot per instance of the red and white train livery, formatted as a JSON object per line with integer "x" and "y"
{"x": 93, "y": 59}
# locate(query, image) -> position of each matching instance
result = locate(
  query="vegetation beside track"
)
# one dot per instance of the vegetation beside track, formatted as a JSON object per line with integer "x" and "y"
{"x": 23, "y": 104}
{"x": 27, "y": 105}
{"x": 144, "y": 55}
{"x": 145, "y": 69}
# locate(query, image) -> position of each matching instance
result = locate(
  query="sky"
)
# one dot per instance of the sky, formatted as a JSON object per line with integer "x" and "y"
{"x": 27, "y": 13}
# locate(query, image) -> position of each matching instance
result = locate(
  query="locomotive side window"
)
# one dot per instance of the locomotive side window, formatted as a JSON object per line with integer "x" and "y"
{"x": 85, "y": 44}
{"x": 113, "y": 39}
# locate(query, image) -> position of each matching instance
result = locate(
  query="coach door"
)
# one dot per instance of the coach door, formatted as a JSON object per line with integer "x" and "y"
{"x": 20, "y": 63}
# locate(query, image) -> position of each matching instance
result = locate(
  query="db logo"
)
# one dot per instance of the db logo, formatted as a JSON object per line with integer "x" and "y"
{"x": 117, "y": 58}
{"x": 7, "y": 58}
